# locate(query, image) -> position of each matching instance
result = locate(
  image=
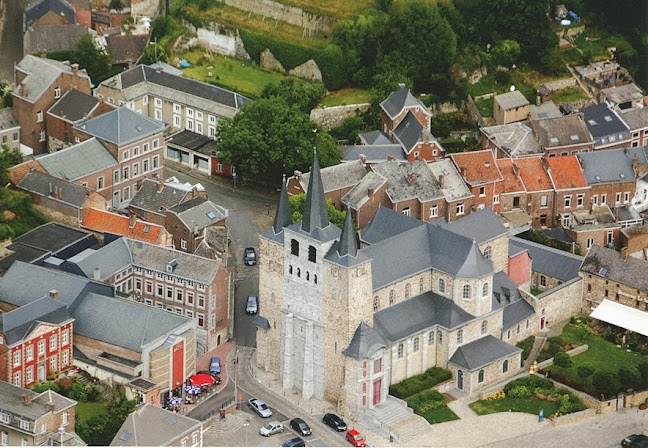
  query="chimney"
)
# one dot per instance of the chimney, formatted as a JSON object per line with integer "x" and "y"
{"x": 194, "y": 192}
{"x": 23, "y": 88}
{"x": 538, "y": 98}
{"x": 50, "y": 406}
{"x": 370, "y": 192}
{"x": 96, "y": 274}
{"x": 624, "y": 253}
{"x": 426, "y": 136}
{"x": 401, "y": 84}
{"x": 51, "y": 190}
{"x": 442, "y": 181}
{"x": 160, "y": 185}
{"x": 60, "y": 193}
{"x": 635, "y": 163}
{"x": 43, "y": 54}
{"x": 463, "y": 172}
{"x": 363, "y": 158}
{"x": 194, "y": 227}
{"x": 298, "y": 175}
{"x": 75, "y": 69}
{"x": 132, "y": 220}
{"x": 411, "y": 178}
{"x": 390, "y": 157}
{"x": 27, "y": 399}
{"x": 54, "y": 294}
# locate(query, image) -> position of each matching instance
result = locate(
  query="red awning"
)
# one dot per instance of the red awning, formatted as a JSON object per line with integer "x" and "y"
{"x": 202, "y": 380}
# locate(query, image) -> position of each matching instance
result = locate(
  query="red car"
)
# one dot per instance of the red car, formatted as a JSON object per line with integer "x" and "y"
{"x": 355, "y": 438}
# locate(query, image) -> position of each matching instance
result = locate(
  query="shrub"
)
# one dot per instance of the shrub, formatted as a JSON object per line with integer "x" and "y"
{"x": 630, "y": 377}
{"x": 531, "y": 382}
{"x": 643, "y": 371}
{"x": 426, "y": 401}
{"x": 606, "y": 383}
{"x": 519, "y": 392}
{"x": 585, "y": 370}
{"x": 526, "y": 347}
{"x": 419, "y": 383}
{"x": 47, "y": 385}
{"x": 563, "y": 360}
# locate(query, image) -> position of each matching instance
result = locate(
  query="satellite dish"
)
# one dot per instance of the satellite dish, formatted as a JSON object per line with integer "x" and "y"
{"x": 512, "y": 88}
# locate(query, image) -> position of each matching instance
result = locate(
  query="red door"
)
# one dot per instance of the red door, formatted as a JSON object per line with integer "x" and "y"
{"x": 542, "y": 323}
{"x": 377, "y": 387}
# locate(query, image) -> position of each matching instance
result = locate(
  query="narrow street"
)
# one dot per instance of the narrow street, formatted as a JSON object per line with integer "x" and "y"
{"x": 11, "y": 39}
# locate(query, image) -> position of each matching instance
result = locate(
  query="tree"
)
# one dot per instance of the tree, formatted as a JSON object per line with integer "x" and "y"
{"x": 506, "y": 53}
{"x": 630, "y": 377}
{"x": 94, "y": 59}
{"x": 606, "y": 383}
{"x": 643, "y": 370}
{"x": 8, "y": 158}
{"x": 585, "y": 370}
{"x": 268, "y": 138}
{"x": 562, "y": 359}
{"x": 296, "y": 93}
{"x": 298, "y": 204}
{"x": 349, "y": 129}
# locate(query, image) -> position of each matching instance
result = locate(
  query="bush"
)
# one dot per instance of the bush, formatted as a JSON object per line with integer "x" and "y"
{"x": 47, "y": 385}
{"x": 563, "y": 360}
{"x": 526, "y": 346}
{"x": 419, "y": 383}
{"x": 630, "y": 377}
{"x": 519, "y": 392}
{"x": 585, "y": 370}
{"x": 606, "y": 383}
{"x": 531, "y": 382}
{"x": 643, "y": 371}
{"x": 426, "y": 401}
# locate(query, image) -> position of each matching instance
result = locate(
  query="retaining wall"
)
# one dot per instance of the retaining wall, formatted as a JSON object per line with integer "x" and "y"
{"x": 331, "y": 117}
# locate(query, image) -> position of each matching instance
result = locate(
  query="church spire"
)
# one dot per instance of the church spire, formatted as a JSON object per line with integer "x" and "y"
{"x": 315, "y": 212}
{"x": 348, "y": 243}
{"x": 283, "y": 216}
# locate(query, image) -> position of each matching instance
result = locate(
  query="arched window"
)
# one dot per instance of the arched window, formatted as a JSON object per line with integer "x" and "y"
{"x": 294, "y": 247}
{"x": 441, "y": 285}
{"x": 376, "y": 303}
{"x": 416, "y": 345}
{"x": 459, "y": 336}
{"x": 290, "y": 269}
{"x": 407, "y": 291}
{"x": 505, "y": 366}
{"x": 298, "y": 272}
{"x": 307, "y": 275}
{"x": 485, "y": 290}
{"x": 480, "y": 376}
{"x": 400, "y": 351}
{"x": 431, "y": 338}
{"x": 487, "y": 252}
{"x": 527, "y": 323}
{"x": 439, "y": 337}
{"x": 312, "y": 254}
{"x": 484, "y": 327}
{"x": 315, "y": 278}
{"x": 466, "y": 292}
{"x": 391, "y": 297}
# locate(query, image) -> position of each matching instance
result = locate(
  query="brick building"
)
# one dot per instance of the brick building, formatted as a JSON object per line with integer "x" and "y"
{"x": 539, "y": 189}
{"x": 189, "y": 220}
{"x": 197, "y": 152}
{"x": 571, "y": 191}
{"x": 154, "y": 197}
{"x": 637, "y": 121}
{"x": 563, "y": 135}
{"x": 606, "y": 127}
{"x": 481, "y": 174}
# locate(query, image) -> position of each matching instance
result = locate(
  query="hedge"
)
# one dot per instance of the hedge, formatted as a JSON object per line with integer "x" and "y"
{"x": 531, "y": 382}
{"x": 526, "y": 346}
{"x": 419, "y": 383}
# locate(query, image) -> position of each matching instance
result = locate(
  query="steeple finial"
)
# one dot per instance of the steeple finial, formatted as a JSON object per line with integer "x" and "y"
{"x": 283, "y": 216}
{"x": 315, "y": 211}
{"x": 348, "y": 242}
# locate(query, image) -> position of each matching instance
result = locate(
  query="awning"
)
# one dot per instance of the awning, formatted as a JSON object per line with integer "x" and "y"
{"x": 622, "y": 316}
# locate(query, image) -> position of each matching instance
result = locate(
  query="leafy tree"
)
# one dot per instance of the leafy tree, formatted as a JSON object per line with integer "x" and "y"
{"x": 585, "y": 370}
{"x": 506, "y": 53}
{"x": 385, "y": 5}
{"x": 99, "y": 430}
{"x": 296, "y": 93}
{"x": 349, "y": 129}
{"x": 606, "y": 383}
{"x": 95, "y": 60}
{"x": 8, "y": 158}
{"x": 387, "y": 80}
{"x": 630, "y": 377}
{"x": 298, "y": 205}
{"x": 268, "y": 137}
{"x": 115, "y": 4}
{"x": 563, "y": 360}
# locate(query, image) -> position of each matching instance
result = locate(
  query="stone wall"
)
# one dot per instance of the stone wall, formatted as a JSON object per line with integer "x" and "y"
{"x": 561, "y": 84}
{"x": 575, "y": 417}
{"x": 217, "y": 38}
{"x": 148, "y": 8}
{"x": 331, "y": 117}
{"x": 562, "y": 302}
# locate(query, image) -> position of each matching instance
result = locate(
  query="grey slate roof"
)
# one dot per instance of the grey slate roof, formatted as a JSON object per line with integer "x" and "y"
{"x": 364, "y": 343}
{"x": 515, "y": 138}
{"x": 7, "y": 119}
{"x": 283, "y": 215}
{"x": 53, "y": 237}
{"x": 376, "y": 137}
{"x": 400, "y": 99}
{"x": 482, "y": 225}
{"x": 79, "y": 160}
{"x": 18, "y": 323}
{"x": 561, "y": 131}
{"x": 59, "y": 401}
{"x": 98, "y": 317}
{"x": 337, "y": 176}
{"x": 601, "y": 121}
{"x": 626, "y": 213}
{"x": 372, "y": 153}
{"x": 193, "y": 141}
{"x": 454, "y": 187}
{"x": 38, "y": 8}
{"x": 41, "y": 74}
{"x": 607, "y": 263}
{"x": 73, "y": 105}
{"x": 261, "y": 322}
{"x": 199, "y": 211}
{"x": 110, "y": 259}
{"x": 359, "y": 194}
{"x": 345, "y": 250}
{"x": 414, "y": 315}
{"x": 315, "y": 211}
{"x": 636, "y": 118}
{"x": 121, "y": 126}
{"x": 11, "y": 401}
{"x": 387, "y": 223}
{"x": 39, "y": 183}
{"x": 516, "y": 313}
{"x": 409, "y": 132}
{"x": 409, "y": 180}
{"x": 548, "y": 109}
{"x": 549, "y": 261}
{"x": 150, "y": 425}
{"x": 54, "y": 38}
{"x": 482, "y": 352}
{"x": 611, "y": 165}
{"x": 149, "y": 198}
{"x": 511, "y": 100}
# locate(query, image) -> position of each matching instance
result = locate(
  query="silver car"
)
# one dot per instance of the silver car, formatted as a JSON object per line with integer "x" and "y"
{"x": 260, "y": 407}
{"x": 271, "y": 428}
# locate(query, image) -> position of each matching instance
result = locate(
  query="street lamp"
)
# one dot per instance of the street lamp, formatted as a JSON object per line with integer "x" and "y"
{"x": 247, "y": 425}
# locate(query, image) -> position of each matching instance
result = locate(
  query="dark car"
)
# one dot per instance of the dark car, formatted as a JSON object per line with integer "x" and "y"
{"x": 213, "y": 375}
{"x": 300, "y": 427}
{"x": 334, "y": 422}
{"x": 295, "y": 441}
{"x": 635, "y": 440}
{"x": 250, "y": 256}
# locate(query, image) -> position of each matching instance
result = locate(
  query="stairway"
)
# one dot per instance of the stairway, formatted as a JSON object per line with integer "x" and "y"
{"x": 394, "y": 418}
{"x": 231, "y": 422}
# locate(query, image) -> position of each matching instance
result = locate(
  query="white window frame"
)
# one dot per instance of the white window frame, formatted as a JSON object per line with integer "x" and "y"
{"x": 434, "y": 211}
{"x": 39, "y": 116}
{"x": 41, "y": 345}
{"x": 460, "y": 208}
{"x": 57, "y": 92}
{"x": 43, "y": 136}
{"x": 177, "y": 121}
{"x": 145, "y": 100}
{"x": 183, "y": 244}
{"x": 568, "y": 199}
{"x": 189, "y": 112}
{"x": 158, "y": 102}
{"x": 211, "y": 131}
{"x": 496, "y": 199}
{"x": 17, "y": 355}
{"x": 406, "y": 211}
{"x": 177, "y": 108}
{"x": 158, "y": 114}
{"x": 53, "y": 340}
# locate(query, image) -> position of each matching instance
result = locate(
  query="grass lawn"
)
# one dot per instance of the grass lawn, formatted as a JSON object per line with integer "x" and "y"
{"x": 439, "y": 415}
{"x": 536, "y": 292}
{"x": 568, "y": 94}
{"x": 343, "y": 9}
{"x": 349, "y": 95}
{"x": 527, "y": 405}
{"x": 85, "y": 410}
{"x": 235, "y": 74}
{"x": 485, "y": 106}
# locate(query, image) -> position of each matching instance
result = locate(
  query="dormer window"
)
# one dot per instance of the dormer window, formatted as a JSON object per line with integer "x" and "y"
{"x": 171, "y": 265}
{"x": 573, "y": 137}
{"x": 592, "y": 122}
{"x": 607, "y": 118}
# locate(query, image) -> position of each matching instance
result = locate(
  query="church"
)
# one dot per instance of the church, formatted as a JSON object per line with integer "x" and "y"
{"x": 342, "y": 316}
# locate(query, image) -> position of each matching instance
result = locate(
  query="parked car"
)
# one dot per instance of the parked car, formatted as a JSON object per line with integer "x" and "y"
{"x": 250, "y": 256}
{"x": 252, "y": 306}
{"x": 260, "y": 407}
{"x": 334, "y": 422}
{"x": 213, "y": 375}
{"x": 271, "y": 428}
{"x": 215, "y": 365}
{"x": 295, "y": 441}
{"x": 355, "y": 438}
{"x": 635, "y": 441}
{"x": 300, "y": 427}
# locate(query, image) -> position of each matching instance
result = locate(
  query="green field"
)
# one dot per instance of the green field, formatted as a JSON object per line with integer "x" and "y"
{"x": 342, "y": 97}
{"x": 342, "y": 9}
{"x": 567, "y": 95}
{"x": 85, "y": 410}
{"x": 526, "y": 405}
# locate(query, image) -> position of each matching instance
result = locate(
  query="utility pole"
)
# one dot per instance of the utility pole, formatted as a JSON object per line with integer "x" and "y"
{"x": 236, "y": 397}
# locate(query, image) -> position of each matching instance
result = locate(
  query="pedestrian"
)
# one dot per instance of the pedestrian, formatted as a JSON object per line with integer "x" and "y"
{"x": 222, "y": 413}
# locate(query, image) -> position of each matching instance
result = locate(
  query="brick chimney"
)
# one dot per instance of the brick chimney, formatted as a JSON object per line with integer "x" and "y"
{"x": 411, "y": 178}
{"x": 27, "y": 399}
{"x": 464, "y": 171}
{"x": 442, "y": 181}
{"x": 160, "y": 186}
{"x": 23, "y": 88}
{"x": 624, "y": 253}
{"x": 59, "y": 195}
{"x": 50, "y": 406}
{"x": 391, "y": 158}
{"x": 194, "y": 192}
{"x": 132, "y": 220}
{"x": 635, "y": 163}
{"x": 54, "y": 294}
{"x": 370, "y": 192}
{"x": 75, "y": 69}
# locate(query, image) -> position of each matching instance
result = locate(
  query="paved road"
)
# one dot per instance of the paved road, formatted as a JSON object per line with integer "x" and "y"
{"x": 11, "y": 40}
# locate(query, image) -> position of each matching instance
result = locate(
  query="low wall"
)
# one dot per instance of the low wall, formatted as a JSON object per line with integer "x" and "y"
{"x": 575, "y": 417}
{"x": 561, "y": 84}
{"x": 446, "y": 386}
{"x": 331, "y": 117}
{"x": 636, "y": 399}
{"x": 572, "y": 352}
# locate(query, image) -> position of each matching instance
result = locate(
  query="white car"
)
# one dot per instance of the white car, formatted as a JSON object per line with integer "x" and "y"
{"x": 271, "y": 428}
{"x": 260, "y": 407}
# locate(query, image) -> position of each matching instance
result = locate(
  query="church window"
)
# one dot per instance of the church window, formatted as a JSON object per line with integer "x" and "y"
{"x": 391, "y": 297}
{"x": 290, "y": 269}
{"x": 312, "y": 254}
{"x": 315, "y": 278}
{"x": 407, "y": 291}
{"x": 480, "y": 377}
{"x": 416, "y": 345}
{"x": 484, "y": 327}
{"x": 400, "y": 351}
{"x": 505, "y": 366}
{"x": 298, "y": 272}
{"x": 459, "y": 336}
{"x": 294, "y": 247}
{"x": 376, "y": 303}
{"x": 441, "y": 285}
{"x": 527, "y": 323}
{"x": 439, "y": 337}
{"x": 431, "y": 338}
{"x": 543, "y": 280}
{"x": 378, "y": 365}
{"x": 307, "y": 275}
{"x": 485, "y": 290}
{"x": 466, "y": 292}
{"x": 421, "y": 285}
{"x": 518, "y": 329}
{"x": 487, "y": 252}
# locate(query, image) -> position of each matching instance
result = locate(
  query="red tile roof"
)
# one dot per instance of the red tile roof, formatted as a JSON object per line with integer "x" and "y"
{"x": 533, "y": 174}
{"x": 103, "y": 221}
{"x": 18, "y": 172}
{"x": 512, "y": 182}
{"x": 480, "y": 167}
{"x": 566, "y": 172}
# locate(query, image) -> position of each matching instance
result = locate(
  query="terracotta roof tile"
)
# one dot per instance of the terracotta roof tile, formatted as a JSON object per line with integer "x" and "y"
{"x": 479, "y": 167}
{"x": 103, "y": 221}
{"x": 512, "y": 182}
{"x": 18, "y": 172}
{"x": 533, "y": 174}
{"x": 566, "y": 172}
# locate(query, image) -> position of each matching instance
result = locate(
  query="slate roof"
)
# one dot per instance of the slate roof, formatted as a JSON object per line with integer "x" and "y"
{"x": 11, "y": 401}
{"x": 193, "y": 141}
{"x": 482, "y": 352}
{"x": 149, "y": 198}
{"x": 78, "y": 161}
{"x": 409, "y": 132}
{"x": 533, "y": 174}
{"x": 150, "y": 425}
{"x": 400, "y": 99}
{"x": 106, "y": 222}
{"x": 38, "y": 8}
{"x": 126, "y": 48}
{"x": 517, "y": 139}
{"x": 372, "y": 153}
{"x": 52, "y": 237}
{"x": 454, "y": 188}
{"x": 338, "y": 176}
{"x": 480, "y": 167}
{"x": 376, "y": 137}
{"x": 548, "y": 109}
{"x": 41, "y": 74}
{"x": 511, "y": 183}
{"x": 511, "y": 100}
{"x": 561, "y": 131}
{"x": 110, "y": 259}
{"x": 607, "y": 263}
{"x": 98, "y": 316}
{"x": 414, "y": 315}
{"x": 364, "y": 343}
{"x": 315, "y": 211}
{"x": 200, "y": 212}
{"x": 283, "y": 214}
{"x": 18, "y": 323}
{"x": 566, "y": 172}
{"x": 59, "y": 401}
{"x": 7, "y": 119}
{"x": 482, "y": 225}
{"x": 54, "y": 38}
{"x": 359, "y": 195}
{"x": 44, "y": 184}
{"x": 549, "y": 261}
{"x": 409, "y": 180}
{"x": 73, "y": 105}
{"x": 387, "y": 223}
{"x": 611, "y": 165}
{"x": 170, "y": 69}
{"x": 636, "y": 118}
{"x": 601, "y": 121}
{"x": 121, "y": 126}
{"x": 345, "y": 251}
{"x": 516, "y": 309}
